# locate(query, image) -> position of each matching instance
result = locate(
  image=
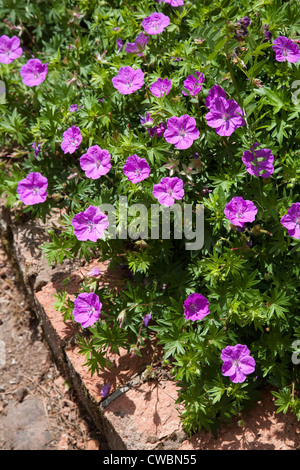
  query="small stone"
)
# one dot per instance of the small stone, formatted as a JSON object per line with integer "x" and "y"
{"x": 152, "y": 439}
{"x": 92, "y": 445}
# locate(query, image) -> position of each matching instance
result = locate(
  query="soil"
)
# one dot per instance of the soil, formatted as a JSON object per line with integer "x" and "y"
{"x": 38, "y": 409}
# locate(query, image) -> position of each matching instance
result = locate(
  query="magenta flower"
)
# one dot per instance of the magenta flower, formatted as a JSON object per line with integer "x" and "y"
{"x": 225, "y": 116}
{"x": 168, "y": 190}
{"x": 193, "y": 85}
{"x": 158, "y": 130}
{"x": 128, "y": 80}
{"x": 258, "y": 161}
{"x": 87, "y": 307}
{"x": 136, "y": 169}
{"x": 286, "y": 49}
{"x": 181, "y": 131}
{"x": 155, "y": 23}
{"x": 34, "y": 72}
{"x": 146, "y": 119}
{"x": 240, "y": 211}
{"x": 105, "y": 390}
{"x": 291, "y": 220}
{"x": 173, "y": 3}
{"x": 138, "y": 46}
{"x": 73, "y": 108}
{"x": 237, "y": 363}
{"x": 95, "y": 272}
{"x": 161, "y": 87}
{"x": 71, "y": 139}
{"x": 9, "y": 49}
{"x": 37, "y": 148}
{"x": 120, "y": 44}
{"x": 90, "y": 224}
{"x": 95, "y": 162}
{"x": 33, "y": 189}
{"x": 215, "y": 92}
{"x": 196, "y": 307}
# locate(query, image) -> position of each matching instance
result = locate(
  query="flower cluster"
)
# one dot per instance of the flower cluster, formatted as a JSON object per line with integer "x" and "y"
{"x": 181, "y": 122}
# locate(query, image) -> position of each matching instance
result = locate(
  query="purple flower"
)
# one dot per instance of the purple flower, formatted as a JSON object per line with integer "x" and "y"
{"x": 37, "y": 148}
{"x": 90, "y": 224}
{"x": 34, "y": 72}
{"x": 193, "y": 85}
{"x": 73, "y": 107}
{"x": 215, "y": 92}
{"x": 136, "y": 169}
{"x": 246, "y": 21}
{"x": 286, "y": 49}
{"x": 257, "y": 161}
{"x": 87, "y": 307}
{"x": 240, "y": 211}
{"x": 9, "y": 49}
{"x": 168, "y": 190}
{"x": 291, "y": 220}
{"x": 268, "y": 36}
{"x": 147, "y": 318}
{"x": 181, "y": 131}
{"x": 224, "y": 116}
{"x": 146, "y": 119}
{"x": 237, "y": 362}
{"x": 96, "y": 162}
{"x": 105, "y": 390}
{"x": 95, "y": 272}
{"x": 173, "y": 3}
{"x": 161, "y": 87}
{"x": 71, "y": 139}
{"x": 158, "y": 130}
{"x": 119, "y": 44}
{"x": 196, "y": 307}
{"x": 33, "y": 189}
{"x": 128, "y": 80}
{"x": 155, "y": 23}
{"x": 138, "y": 46}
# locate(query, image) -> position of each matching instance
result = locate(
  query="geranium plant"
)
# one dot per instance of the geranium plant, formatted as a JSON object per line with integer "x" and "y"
{"x": 173, "y": 105}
